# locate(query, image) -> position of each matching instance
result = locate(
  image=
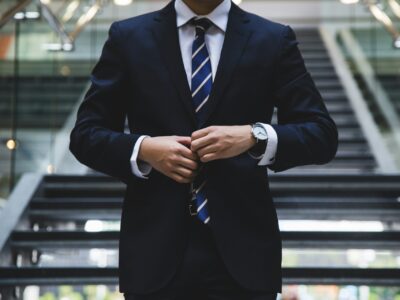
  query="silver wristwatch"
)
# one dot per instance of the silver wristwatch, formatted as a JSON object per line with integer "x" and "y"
{"x": 260, "y": 134}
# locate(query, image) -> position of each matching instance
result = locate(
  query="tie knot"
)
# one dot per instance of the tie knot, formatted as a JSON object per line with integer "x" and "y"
{"x": 202, "y": 25}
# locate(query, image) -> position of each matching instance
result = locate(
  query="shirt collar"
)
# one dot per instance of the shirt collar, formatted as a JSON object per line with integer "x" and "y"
{"x": 219, "y": 16}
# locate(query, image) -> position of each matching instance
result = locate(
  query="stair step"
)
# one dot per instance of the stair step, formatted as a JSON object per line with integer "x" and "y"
{"x": 17, "y": 276}
{"x": 303, "y": 239}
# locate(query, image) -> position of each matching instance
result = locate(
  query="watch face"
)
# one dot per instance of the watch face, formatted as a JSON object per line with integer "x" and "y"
{"x": 260, "y": 133}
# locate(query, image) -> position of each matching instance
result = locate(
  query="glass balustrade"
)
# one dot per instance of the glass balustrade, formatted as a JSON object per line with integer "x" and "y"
{"x": 41, "y": 86}
{"x": 368, "y": 34}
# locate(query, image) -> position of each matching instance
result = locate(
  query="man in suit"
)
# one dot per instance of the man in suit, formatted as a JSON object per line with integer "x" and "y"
{"x": 198, "y": 81}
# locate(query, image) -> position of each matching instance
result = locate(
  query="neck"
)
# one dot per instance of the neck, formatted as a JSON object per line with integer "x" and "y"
{"x": 202, "y": 7}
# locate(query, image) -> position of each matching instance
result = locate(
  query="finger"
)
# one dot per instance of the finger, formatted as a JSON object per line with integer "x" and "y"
{"x": 184, "y": 140}
{"x": 207, "y": 149}
{"x": 202, "y": 142}
{"x": 209, "y": 157}
{"x": 188, "y": 163}
{"x": 201, "y": 132}
{"x": 186, "y": 152}
{"x": 185, "y": 172}
{"x": 179, "y": 178}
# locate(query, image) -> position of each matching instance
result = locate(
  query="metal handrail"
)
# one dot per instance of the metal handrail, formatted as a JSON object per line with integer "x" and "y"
{"x": 16, "y": 204}
{"x": 56, "y": 25}
{"x": 395, "y": 6}
{"x": 385, "y": 20}
{"x": 378, "y": 92}
{"x": 9, "y": 14}
{"x": 67, "y": 39}
{"x": 85, "y": 19}
{"x": 371, "y": 131}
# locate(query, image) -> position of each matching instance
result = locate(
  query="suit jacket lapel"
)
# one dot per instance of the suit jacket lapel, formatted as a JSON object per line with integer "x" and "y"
{"x": 236, "y": 37}
{"x": 166, "y": 34}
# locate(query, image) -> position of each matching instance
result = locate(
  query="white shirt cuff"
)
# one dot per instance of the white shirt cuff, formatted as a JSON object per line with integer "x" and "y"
{"x": 269, "y": 155}
{"x": 139, "y": 168}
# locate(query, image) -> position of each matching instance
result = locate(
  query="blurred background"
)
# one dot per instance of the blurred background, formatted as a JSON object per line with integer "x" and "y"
{"x": 59, "y": 220}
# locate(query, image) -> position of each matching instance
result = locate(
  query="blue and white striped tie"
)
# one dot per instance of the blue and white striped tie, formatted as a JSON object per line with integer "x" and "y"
{"x": 201, "y": 88}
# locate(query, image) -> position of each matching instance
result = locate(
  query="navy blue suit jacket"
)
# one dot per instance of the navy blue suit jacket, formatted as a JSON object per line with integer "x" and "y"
{"x": 140, "y": 74}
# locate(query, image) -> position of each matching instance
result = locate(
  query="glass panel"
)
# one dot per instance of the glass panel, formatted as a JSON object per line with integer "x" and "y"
{"x": 7, "y": 106}
{"x": 50, "y": 85}
{"x": 369, "y": 34}
{"x": 41, "y": 87}
{"x": 43, "y": 78}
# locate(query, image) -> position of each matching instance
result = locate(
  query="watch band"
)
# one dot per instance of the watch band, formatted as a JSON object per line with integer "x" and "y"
{"x": 258, "y": 150}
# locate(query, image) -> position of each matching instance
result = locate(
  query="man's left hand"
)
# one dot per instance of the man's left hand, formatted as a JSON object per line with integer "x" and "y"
{"x": 216, "y": 142}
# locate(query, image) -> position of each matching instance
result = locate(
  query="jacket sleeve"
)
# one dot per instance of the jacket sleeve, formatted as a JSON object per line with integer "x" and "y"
{"x": 306, "y": 133}
{"x": 98, "y": 139}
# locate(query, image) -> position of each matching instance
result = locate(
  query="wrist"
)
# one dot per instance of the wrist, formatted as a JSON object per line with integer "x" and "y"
{"x": 252, "y": 140}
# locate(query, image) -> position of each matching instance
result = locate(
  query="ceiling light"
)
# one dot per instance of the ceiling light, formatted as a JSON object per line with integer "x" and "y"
{"x": 32, "y": 15}
{"x": 19, "y": 16}
{"x": 22, "y": 15}
{"x": 52, "y": 47}
{"x": 50, "y": 169}
{"x": 396, "y": 43}
{"x": 11, "y": 144}
{"x": 58, "y": 47}
{"x": 349, "y": 1}
{"x": 122, "y": 2}
{"x": 67, "y": 47}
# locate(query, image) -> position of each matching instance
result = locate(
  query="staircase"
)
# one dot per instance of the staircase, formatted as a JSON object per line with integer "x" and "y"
{"x": 38, "y": 111}
{"x": 42, "y": 101}
{"x": 56, "y": 237}
{"x": 354, "y": 154}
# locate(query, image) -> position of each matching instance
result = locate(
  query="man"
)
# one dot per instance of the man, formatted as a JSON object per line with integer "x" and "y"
{"x": 198, "y": 81}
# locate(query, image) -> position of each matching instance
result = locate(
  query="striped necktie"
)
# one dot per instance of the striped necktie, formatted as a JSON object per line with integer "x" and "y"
{"x": 200, "y": 88}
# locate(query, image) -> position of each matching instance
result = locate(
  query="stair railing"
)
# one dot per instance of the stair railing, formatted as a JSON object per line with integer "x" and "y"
{"x": 374, "y": 86}
{"x": 371, "y": 131}
{"x": 383, "y": 18}
{"x": 10, "y": 13}
{"x": 67, "y": 39}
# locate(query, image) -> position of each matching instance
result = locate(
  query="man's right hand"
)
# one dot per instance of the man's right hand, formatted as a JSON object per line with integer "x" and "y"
{"x": 171, "y": 155}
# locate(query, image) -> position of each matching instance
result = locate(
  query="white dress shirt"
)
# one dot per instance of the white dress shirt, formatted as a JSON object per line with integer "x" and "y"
{"x": 214, "y": 39}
